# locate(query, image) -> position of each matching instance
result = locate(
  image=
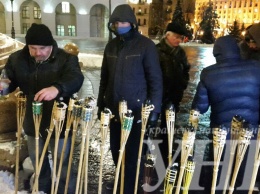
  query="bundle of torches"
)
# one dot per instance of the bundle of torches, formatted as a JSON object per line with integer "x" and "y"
{"x": 79, "y": 112}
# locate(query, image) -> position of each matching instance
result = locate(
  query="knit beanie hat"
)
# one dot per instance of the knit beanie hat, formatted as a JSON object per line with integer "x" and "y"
{"x": 176, "y": 28}
{"x": 254, "y": 31}
{"x": 39, "y": 34}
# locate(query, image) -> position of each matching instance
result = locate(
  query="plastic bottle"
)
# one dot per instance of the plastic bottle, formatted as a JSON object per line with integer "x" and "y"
{"x": 4, "y": 82}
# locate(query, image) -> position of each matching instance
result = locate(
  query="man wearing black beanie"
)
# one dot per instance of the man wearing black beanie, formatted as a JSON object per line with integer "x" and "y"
{"x": 44, "y": 73}
{"x": 39, "y": 34}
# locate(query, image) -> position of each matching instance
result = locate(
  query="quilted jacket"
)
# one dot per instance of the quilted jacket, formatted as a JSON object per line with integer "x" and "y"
{"x": 230, "y": 87}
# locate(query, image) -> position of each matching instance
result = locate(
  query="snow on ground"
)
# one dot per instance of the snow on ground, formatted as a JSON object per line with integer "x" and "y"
{"x": 7, "y": 179}
{"x": 7, "y": 183}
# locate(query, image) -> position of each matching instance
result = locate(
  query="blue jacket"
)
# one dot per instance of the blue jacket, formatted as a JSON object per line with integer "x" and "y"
{"x": 230, "y": 87}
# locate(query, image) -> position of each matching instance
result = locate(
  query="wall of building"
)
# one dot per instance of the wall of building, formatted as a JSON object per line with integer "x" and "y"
{"x": 48, "y": 7}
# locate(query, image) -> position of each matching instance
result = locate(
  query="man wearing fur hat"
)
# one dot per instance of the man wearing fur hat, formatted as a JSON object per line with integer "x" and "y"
{"x": 175, "y": 69}
{"x": 250, "y": 46}
{"x": 44, "y": 73}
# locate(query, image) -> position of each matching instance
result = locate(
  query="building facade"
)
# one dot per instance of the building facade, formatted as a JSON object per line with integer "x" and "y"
{"x": 88, "y": 18}
{"x": 81, "y": 18}
{"x": 154, "y": 15}
{"x": 245, "y": 12}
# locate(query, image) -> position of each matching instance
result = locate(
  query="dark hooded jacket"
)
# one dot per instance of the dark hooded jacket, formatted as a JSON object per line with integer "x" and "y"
{"x": 130, "y": 68}
{"x": 230, "y": 87}
{"x": 60, "y": 70}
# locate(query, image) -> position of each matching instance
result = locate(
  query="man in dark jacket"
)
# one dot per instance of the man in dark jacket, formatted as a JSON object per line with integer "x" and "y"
{"x": 131, "y": 72}
{"x": 44, "y": 73}
{"x": 175, "y": 69}
{"x": 230, "y": 87}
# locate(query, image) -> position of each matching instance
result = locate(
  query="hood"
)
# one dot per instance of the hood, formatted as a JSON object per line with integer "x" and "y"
{"x": 123, "y": 13}
{"x": 254, "y": 31}
{"x": 226, "y": 47}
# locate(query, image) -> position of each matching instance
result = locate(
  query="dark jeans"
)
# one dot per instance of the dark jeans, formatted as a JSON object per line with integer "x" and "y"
{"x": 45, "y": 173}
{"x": 131, "y": 152}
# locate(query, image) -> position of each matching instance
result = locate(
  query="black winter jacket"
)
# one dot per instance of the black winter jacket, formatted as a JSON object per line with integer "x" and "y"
{"x": 175, "y": 69}
{"x": 130, "y": 70}
{"x": 60, "y": 70}
{"x": 230, "y": 87}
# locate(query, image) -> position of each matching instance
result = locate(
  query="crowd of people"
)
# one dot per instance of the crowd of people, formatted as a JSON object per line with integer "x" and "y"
{"x": 135, "y": 69}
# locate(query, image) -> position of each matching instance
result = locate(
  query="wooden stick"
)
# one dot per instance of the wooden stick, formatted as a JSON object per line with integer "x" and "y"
{"x": 91, "y": 102}
{"x": 219, "y": 140}
{"x": 243, "y": 142}
{"x": 86, "y": 119}
{"x": 76, "y": 113}
{"x": 126, "y": 128}
{"x": 170, "y": 121}
{"x": 146, "y": 110}
{"x": 236, "y": 125}
{"x": 122, "y": 111}
{"x": 59, "y": 116}
{"x": 106, "y": 115}
{"x": 256, "y": 164}
{"x": 37, "y": 117}
{"x": 20, "y": 114}
{"x": 188, "y": 174}
{"x": 64, "y": 146}
{"x": 46, "y": 144}
{"x": 170, "y": 178}
{"x": 187, "y": 146}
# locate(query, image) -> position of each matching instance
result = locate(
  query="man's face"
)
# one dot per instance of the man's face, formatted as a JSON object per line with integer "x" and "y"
{"x": 39, "y": 52}
{"x": 122, "y": 24}
{"x": 174, "y": 39}
{"x": 252, "y": 45}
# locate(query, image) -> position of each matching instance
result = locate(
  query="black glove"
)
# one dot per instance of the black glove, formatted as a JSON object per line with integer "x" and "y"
{"x": 153, "y": 119}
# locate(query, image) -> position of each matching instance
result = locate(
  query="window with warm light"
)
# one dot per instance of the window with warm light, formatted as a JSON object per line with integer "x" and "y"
{"x": 37, "y": 13}
{"x": 25, "y": 12}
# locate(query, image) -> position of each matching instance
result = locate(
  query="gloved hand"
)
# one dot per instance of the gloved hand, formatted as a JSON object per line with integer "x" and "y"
{"x": 152, "y": 120}
{"x": 152, "y": 124}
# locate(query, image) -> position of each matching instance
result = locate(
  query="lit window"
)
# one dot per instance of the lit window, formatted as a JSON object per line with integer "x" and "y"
{"x": 25, "y": 27}
{"x": 37, "y": 13}
{"x": 25, "y": 12}
{"x": 60, "y": 30}
{"x": 72, "y": 30}
{"x": 65, "y": 7}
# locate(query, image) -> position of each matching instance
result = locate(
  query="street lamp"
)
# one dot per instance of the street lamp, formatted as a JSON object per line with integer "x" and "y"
{"x": 12, "y": 30}
{"x": 110, "y": 33}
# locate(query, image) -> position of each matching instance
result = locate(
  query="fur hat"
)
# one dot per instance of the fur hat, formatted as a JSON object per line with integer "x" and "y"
{"x": 176, "y": 28}
{"x": 254, "y": 31}
{"x": 39, "y": 34}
